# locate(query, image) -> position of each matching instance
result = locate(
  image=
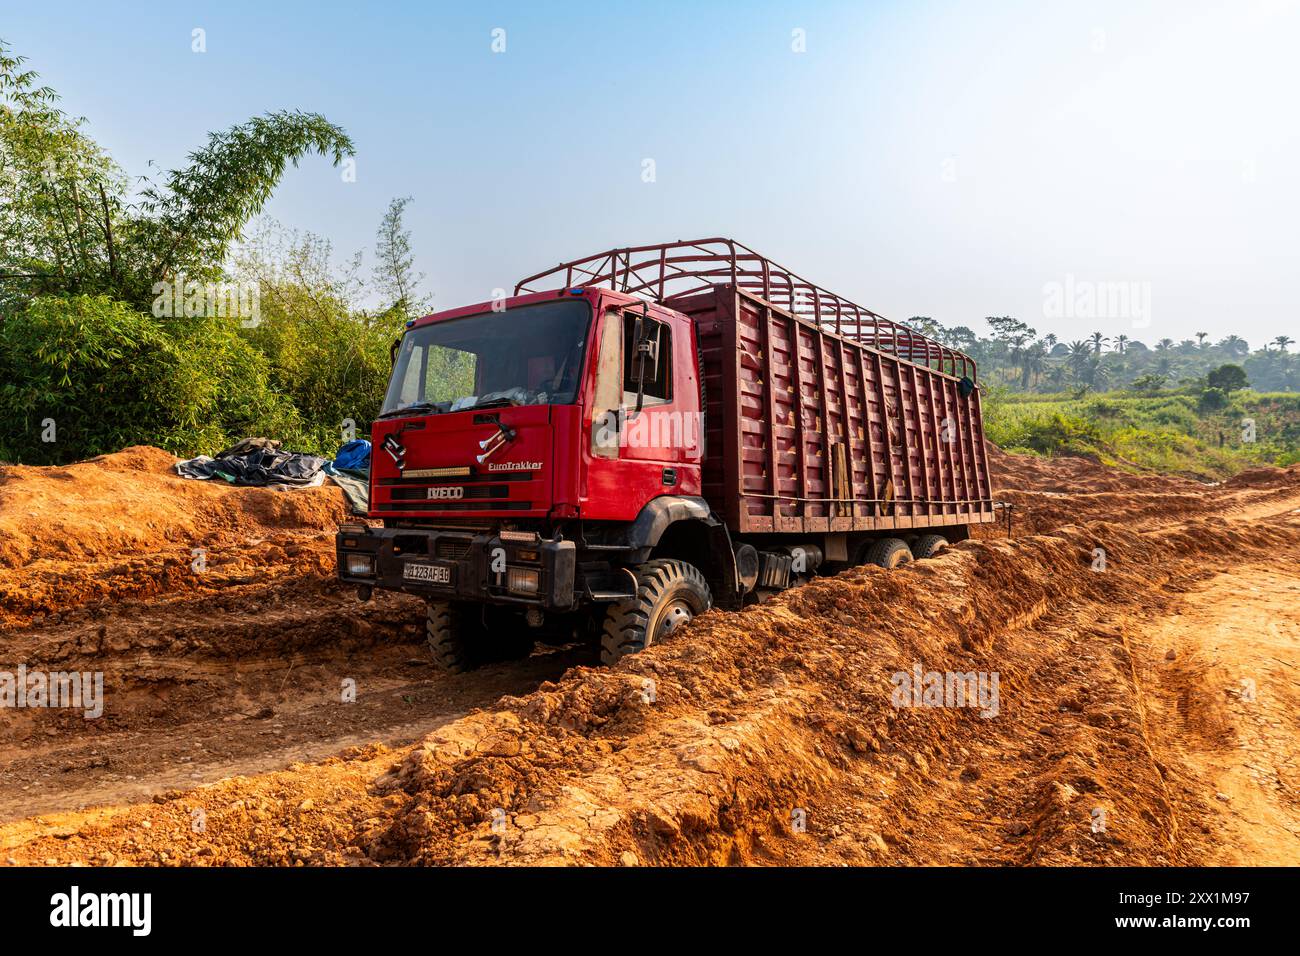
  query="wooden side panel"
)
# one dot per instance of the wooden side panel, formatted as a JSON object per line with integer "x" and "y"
{"x": 809, "y": 432}
{"x": 718, "y": 377}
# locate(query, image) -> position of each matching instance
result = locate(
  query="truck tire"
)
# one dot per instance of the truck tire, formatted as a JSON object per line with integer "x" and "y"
{"x": 928, "y": 545}
{"x": 445, "y": 629}
{"x": 459, "y": 641}
{"x": 887, "y": 553}
{"x": 668, "y": 594}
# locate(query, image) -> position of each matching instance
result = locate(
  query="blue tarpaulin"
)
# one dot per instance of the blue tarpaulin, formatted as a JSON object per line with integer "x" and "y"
{"x": 355, "y": 455}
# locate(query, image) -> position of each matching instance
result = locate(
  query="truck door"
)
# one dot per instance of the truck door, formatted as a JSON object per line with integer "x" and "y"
{"x": 639, "y": 455}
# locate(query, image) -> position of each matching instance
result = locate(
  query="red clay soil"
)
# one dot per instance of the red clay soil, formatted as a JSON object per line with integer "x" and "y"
{"x": 1145, "y": 641}
{"x": 125, "y": 525}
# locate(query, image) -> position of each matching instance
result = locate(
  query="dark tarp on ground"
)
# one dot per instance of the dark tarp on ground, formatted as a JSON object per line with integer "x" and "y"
{"x": 260, "y": 462}
{"x": 259, "y": 467}
{"x": 355, "y": 483}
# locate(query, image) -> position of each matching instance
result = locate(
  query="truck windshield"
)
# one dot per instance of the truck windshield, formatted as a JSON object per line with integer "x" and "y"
{"x": 531, "y": 355}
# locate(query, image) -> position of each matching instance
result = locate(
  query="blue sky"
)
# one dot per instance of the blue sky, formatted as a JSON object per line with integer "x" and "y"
{"x": 942, "y": 159}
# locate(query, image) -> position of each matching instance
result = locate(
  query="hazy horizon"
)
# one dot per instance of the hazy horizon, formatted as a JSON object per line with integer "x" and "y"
{"x": 941, "y": 159}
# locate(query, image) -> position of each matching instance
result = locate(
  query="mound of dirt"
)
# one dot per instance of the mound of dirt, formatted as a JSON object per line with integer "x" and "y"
{"x": 1050, "y": 493}
{"x": 1266, "y": 476}
{"x": 127, "y": 524}
{"x": 1072, "y": 474}
{"x": 714, "y": 748}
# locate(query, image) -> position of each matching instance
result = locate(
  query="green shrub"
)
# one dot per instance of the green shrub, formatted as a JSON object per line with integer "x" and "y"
{"x": 1059, "y": 434}
{"x": 332, "y": 368}
{"x": 1212, "y": 400}
{"x": 86, "y": 375}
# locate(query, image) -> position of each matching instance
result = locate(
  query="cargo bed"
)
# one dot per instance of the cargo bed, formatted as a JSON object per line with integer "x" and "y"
{"x": 812, "y": 431}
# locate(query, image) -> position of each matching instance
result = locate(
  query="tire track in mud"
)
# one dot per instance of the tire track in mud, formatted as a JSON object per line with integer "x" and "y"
{"x": 214, "y": 682}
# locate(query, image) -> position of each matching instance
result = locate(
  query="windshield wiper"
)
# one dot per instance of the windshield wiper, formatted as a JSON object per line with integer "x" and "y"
{"x": 412, "y": 409}
{"x": 492, "y": 402}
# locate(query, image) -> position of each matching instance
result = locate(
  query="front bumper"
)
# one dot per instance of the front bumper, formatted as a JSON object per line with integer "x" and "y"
{"x": 461, "y": 565}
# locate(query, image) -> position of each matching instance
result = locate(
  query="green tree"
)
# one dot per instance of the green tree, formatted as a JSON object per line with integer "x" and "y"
{"x": 1149, "y": 383}
{"x": 1227, "y": 378}
{"x": 67, "y": 227}
{"x": 394, "y": 271}
{"x": 86, "y": 375}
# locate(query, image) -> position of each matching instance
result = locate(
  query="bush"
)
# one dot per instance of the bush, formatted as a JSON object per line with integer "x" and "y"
{"x": 331, "y": 368}
{"x": 86, "y": 375}
{"x": 1227, "y": 378}
{"x": 1059, "y": 434}
{"x": 1212, "y": 400}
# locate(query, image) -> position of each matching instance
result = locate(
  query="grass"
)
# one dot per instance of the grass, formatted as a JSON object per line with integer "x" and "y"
{"x": 1169, "y": 432}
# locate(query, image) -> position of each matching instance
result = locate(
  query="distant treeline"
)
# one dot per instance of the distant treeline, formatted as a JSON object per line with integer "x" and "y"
{"x": 1015, "y": 355}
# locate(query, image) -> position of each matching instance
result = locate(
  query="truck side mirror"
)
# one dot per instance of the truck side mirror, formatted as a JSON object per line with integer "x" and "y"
{"x": 392, "y": 350}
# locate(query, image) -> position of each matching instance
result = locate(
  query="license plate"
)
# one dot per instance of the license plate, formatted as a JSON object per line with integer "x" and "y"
{"x": 427, "y": 573}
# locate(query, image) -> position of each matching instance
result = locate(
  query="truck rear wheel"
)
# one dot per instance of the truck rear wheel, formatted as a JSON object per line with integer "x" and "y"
{"x": 668, "y": 594}
{"x": 459, "y": 640}
{"x": 928, "y": 545}
{"x": 887, "y": 553}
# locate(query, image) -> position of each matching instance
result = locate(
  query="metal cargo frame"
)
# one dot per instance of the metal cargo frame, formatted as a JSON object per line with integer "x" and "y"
{"x": 813, "y": 432}
{"x": 820, "y": 415}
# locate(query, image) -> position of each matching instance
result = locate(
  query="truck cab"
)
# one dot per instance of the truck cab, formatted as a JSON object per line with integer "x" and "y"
{"x": 519, "y": 443}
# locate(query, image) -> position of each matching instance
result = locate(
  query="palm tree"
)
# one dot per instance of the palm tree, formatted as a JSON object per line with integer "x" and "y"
{"x": 1235, "y": 345}
{"x": 1164, "y": 345}
{"x": 1121, "y": 341}
{"x": 1077, "y": 357}
{"x": 1282, "y": 342}
{"x": 1098, "y": 340}
{"x": 1031, "y": 363}
{"x": 1098, "y": 374}
{"x": 1200, "y": 338}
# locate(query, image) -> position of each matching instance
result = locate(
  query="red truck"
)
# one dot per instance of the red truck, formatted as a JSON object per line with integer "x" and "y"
{"x": 639, "y": 435}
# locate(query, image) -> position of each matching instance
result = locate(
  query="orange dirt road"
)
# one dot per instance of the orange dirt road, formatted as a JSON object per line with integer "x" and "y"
{"x": 1144, "y": 633}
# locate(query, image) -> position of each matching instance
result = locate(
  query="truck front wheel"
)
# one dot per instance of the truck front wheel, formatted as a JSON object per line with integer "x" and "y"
{"x": 668, "y": 594}
{"x": 460, "y": 638}
{"x": 449, "y": 641}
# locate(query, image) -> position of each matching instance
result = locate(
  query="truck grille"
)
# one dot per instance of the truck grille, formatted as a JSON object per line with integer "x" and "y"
{"x": 451, "y": 549}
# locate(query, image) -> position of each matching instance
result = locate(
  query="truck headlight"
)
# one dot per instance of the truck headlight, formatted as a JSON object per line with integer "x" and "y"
{"x": 360, "y": 565}
{"x": 522, "y": 580}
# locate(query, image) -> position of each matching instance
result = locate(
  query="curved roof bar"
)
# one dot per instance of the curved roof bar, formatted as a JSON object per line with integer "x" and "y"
{"x": 671, "y": 270}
